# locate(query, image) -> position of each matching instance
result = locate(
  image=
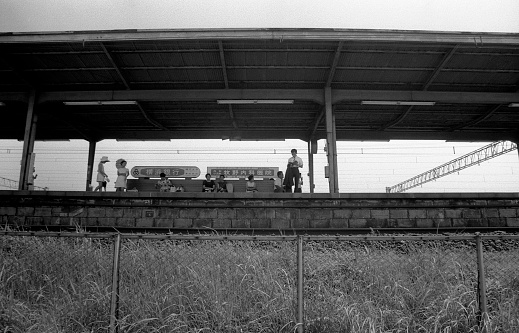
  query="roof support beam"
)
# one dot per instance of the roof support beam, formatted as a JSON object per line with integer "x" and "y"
{"x": 222, "y": 61}
{"x": 440, "y": 66}
{"x": 397, "y": 120}
{"x": 226, "y": 81}
{"x": 28, "y": 142}
{"x": 111, "y": 59}
{"x": 313, "y": 95}
{"x": 315, "y": 124}
{"x": 320, "y": 113}
{"x": 424, "y": 96}
{"x": 426, "y": 85}
{"x": 490, "y": 112}
{"x": 333, "y": 67}
{"x": 148, "y": 118}
{"x": 125, "y": 82}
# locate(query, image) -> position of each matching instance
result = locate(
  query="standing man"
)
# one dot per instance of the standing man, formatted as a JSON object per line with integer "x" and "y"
{"x": 294, "y": 163}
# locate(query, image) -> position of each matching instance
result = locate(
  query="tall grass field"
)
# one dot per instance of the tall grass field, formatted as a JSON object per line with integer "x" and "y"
{"x": 50, "y": 284}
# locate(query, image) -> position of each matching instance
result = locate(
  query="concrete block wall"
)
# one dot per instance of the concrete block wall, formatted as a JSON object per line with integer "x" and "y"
{"x": 259, "y": 210}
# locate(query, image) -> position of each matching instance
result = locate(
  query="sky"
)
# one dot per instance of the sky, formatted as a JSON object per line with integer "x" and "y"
{"x": 436, "y": 15}
{"x": 364, "y": 167}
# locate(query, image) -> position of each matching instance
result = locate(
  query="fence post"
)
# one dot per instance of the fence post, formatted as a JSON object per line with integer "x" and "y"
{"x": 114, "y": 304}
{"x": 482, "y": 289}
{"x": 300, "y": 299}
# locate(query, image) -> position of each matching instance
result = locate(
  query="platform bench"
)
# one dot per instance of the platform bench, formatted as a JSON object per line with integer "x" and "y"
{"x": 195, "y": 185}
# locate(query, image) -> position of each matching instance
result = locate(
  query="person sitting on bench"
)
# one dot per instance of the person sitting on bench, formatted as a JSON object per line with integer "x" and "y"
{"x": 164, "y": 184}
{"x": 251, "y": 185}
{"x": 208, "y": 185}
{"x": 221, "y": 185}
{"x": 278, "y": 183}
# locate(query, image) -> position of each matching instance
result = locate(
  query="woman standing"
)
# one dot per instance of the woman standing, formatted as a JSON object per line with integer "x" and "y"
{"x": 122, "y": 175}
{"x": 101, "y": 174}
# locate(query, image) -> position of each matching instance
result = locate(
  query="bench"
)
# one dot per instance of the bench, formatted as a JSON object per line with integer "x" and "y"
{"x": 195, "y": 185}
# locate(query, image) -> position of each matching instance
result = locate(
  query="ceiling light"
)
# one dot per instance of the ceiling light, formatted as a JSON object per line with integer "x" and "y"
{"x": 396, "y": 103}
{"x": 255, "y": 101}
{"x": 2, "y": 104}
{"x": 101, "y": 103}
{"x": 513, "y": 105}
{"x": 147, "y": 140}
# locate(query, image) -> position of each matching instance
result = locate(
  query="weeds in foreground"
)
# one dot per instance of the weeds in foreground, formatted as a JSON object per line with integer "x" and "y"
{"x": 64, "y": 285}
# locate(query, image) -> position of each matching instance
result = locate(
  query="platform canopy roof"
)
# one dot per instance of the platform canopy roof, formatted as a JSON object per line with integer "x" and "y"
{"x": 261, "y": 84}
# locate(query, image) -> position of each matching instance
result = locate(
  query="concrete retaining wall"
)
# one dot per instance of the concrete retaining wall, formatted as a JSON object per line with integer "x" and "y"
{"x": 259, "y": 210}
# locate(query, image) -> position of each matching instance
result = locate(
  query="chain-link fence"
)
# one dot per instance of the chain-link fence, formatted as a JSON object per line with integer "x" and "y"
{"x": 52, "y": 282}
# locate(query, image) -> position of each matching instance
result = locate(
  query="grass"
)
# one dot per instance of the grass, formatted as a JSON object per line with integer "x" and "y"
{"x": 64, "y": 285}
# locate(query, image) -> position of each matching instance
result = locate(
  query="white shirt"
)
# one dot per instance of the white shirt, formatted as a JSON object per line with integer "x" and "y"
{"x": 296, "y": 159}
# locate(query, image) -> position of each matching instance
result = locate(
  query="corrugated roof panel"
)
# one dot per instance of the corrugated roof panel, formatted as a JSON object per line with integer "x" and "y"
{"x": 477, "y": 78}
{"x": 153, "y": 75}
{"x": 205, "y": 75}
{"x": 391, "y": 60}
{"x": 380, "y": 76}
{"x": 149, "y": 60}
{"x": 10, "y": 81}
{"x": 487, "y": 59}
{"x": 176, "y": 76}
{"x": 158, "y": 45}
{"x": 274, "y": 44}
{"x": 129, "y": 59}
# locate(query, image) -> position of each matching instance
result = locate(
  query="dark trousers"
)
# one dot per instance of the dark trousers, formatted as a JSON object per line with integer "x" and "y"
{"x": 296, "y": 176}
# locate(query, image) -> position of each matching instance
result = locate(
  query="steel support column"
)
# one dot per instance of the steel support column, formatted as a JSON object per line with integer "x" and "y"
{"x": 90, "y": 165}
{"x": 28, "y": 143}
{"x": 335, "y": 167}
{"x": 310, "y": 168}
{"x": 331, "y": 141}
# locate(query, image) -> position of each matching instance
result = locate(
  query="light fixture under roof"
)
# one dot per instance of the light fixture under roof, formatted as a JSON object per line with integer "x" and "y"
{"x": 83, "y": 103}
{"x": 397, "y": 103}
{"x": 255, "y": 101}
{"x": 513, "y": 105}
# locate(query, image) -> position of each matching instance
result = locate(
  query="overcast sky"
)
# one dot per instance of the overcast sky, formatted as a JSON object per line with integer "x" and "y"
{"x": 363, "y": 166}
{"x": 439, "y": 15}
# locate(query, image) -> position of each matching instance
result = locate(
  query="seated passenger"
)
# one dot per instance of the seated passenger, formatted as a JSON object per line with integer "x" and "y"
{"x": 208, "y": 185}
{"x": 251, "y": 185}
{"x": 164, "y": 184}
{"x": 278, "y": 183}
{"x": 221, "y": 185}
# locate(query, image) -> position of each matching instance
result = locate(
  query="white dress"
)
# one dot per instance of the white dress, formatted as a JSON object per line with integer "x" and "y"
{"x": 122, "y": 174}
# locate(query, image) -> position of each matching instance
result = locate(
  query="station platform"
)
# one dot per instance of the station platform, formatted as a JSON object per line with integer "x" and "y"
{"x": 260, "y": 210}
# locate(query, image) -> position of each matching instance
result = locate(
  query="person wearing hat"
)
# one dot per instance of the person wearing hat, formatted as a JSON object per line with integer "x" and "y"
{"x": 101, "y": 174}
